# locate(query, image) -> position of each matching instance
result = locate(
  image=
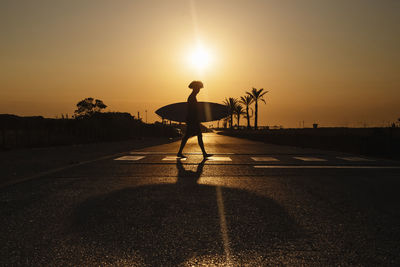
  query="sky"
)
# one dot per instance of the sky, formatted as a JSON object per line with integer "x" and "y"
{"x": 335, "y": 63}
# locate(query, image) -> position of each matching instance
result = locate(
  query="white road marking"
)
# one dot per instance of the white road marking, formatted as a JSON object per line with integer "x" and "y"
{"x": 355, "y": 159}
{"x": 219, "y": 158}
{"x": 264, "y": 159}
{"x": 148, "y": 153}
{"x": 199, "y": 153}
{"x": 132, "y": 158}
{"x": 174, "y": 158}
{"x": 168, "y": 153}
{"x": 223, "y": 227}
{"x": 323, "y": 167}
{"x": 309, "y": 159}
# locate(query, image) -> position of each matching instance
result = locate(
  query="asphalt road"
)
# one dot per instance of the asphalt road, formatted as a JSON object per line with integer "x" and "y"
{"x": 252, "y": 204}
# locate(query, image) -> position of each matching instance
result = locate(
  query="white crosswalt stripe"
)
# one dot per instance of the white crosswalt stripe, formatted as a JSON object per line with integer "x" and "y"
{"x": 131, "y": 158}
{"x": 219, "y": 158}
{"x": 148, "y": 153}
{"x": 173, "y": 158}
{"x": 309, "y": 159}
{"x": 264, "y": 159}
{"x": 355, "y": 159}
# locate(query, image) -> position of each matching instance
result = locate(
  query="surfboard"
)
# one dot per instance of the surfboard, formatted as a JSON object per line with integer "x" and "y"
{"x": 208, "y": 111}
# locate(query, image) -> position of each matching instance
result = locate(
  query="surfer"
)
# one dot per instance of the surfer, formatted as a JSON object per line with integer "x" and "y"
{"x": 192, "y": 121}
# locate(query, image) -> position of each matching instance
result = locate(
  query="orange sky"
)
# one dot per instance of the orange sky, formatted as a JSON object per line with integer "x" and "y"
{"x": 330, "y": 62}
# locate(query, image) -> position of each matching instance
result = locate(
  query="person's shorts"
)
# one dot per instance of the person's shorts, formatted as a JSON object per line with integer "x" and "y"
{"x": 193, "y": 129}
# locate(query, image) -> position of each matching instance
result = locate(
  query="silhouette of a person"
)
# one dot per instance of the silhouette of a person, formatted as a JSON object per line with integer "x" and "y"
{"x": 192, "y": 121}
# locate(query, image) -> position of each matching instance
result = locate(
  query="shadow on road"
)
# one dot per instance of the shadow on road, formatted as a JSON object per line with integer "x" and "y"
{"x": 173, "y": 224}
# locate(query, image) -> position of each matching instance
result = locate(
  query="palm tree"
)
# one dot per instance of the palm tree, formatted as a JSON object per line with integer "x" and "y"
{"x": 247, "y": 100}
{"x": 238, "y": 112}
{"x": 257, "y": 94}
{"x": 231, "y": 104}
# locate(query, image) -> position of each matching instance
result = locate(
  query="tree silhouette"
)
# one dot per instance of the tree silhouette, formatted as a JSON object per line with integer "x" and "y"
{"x": 99, "y": 105}
{"x": 238, "y": 112}
{"x": 247, "y": 100}
{"x": 231, "y": 104}
{"x": 257, "y": 94}
{"x": 89, "y": 106}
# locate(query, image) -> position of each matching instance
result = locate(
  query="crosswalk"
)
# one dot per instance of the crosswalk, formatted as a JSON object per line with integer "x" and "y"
{"x": 163, "y": 157}
{"x": 261, "y": 161}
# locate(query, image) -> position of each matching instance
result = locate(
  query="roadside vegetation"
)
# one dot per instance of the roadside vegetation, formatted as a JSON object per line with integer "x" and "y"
{"x": 90, "y": 124}
{"x": 373, "y": 141}
{"x": 243, "y": 106}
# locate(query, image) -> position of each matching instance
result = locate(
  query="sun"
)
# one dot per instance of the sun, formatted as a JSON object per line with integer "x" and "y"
{"x": 200, "y": 58}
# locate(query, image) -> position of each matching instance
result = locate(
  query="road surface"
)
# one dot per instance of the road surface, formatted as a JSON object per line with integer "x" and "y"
{"x": 251, "y": 204}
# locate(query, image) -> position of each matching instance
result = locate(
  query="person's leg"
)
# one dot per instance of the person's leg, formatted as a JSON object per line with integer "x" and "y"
{"x": 201, "y": 144}
{"x": 183, "y": 143}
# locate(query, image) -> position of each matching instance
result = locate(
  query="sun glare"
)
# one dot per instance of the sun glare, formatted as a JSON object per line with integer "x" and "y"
{"x": 200, "y": 58}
